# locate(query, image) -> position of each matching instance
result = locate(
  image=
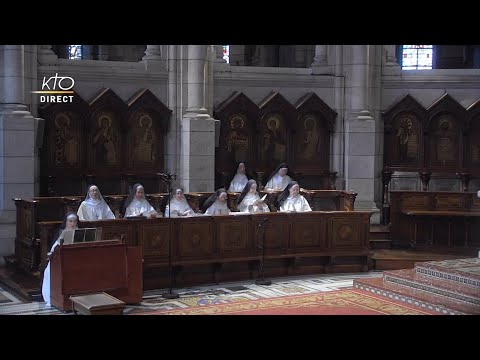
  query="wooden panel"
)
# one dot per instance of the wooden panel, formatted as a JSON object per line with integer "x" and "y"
{"x": 453, "y": 202}
{"x": 195, "y": 238}
{"x": 308, "y": 232}
{"x": 233, "y": 236}
{"x": 476, "y": 203}
{"x": 343, "y": 232}
{"x": 155, "y": 237}
{"x": 404, "y": 134}
{"x": 277, "y": 232}
{"x": 415, "y": 201}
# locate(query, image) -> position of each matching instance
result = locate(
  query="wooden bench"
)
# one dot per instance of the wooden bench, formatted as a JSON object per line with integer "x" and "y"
{"x": 448, "y": 215}
{"x": 97, "y": 304}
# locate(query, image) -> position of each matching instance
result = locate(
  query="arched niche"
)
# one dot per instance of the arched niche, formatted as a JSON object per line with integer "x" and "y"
{"x": 106, "y": 153}
{"x": 146, "y": 124}
{"x": 403, "y": 135}
{"x": 238, "y": 117}
{"x": 311, "y": 133}
{"x": 472, "y": 158}
{"x": 64, "y": 150}
{"x": 445, "y": 130}
{"x": 274, "y": 129}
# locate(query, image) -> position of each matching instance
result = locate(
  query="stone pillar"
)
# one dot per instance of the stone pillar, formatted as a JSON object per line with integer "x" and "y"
{"x": 17, "y": 144}
{"x": 153, "y": 58}
{"x": 360, "y": 144}
{"x": 46, "y": 56}
{"x": 197, "y": 149}
{"x": 102, "y": 52}
{"x": 196, "y": 81}
{"x": 320, "y": 62}
{"x": 390, "y": 63}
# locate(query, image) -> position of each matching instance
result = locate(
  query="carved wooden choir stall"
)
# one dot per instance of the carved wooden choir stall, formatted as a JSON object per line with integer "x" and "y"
{"x": 440, "y": 143}
{"x": 113, "y": 144}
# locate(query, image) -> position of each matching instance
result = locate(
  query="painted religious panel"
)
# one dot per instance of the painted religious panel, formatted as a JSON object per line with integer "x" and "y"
{"x": 66, "y": 135}
{"x": 145, "y": 140}
{"x": 444, "y": 140}
{"x": 308, "y": 139}
{"x": 273, "y": 138}
{"x": 236, "y": 141}
{"x": 106, "y": 140}
{"x": 406, "y": 131}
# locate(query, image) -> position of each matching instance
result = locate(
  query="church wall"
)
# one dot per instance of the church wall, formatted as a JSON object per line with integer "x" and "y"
{"x": 426, "y": 87}
{"x": 258, "y": 82}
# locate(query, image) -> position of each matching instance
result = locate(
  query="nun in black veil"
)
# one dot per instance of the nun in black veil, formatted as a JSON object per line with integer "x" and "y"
{"x": 240, "y": 179}
{"x": 249, "y": 200}
{"x": 216, "y": 204}
{"x": 278, "y": 179}
{"x": 290, "y": 199}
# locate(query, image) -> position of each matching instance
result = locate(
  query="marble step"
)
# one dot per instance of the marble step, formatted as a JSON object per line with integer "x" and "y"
{"x": 417, "y": 298}
{"x": 409, "y": 278}
{"x": 461, "y": 271}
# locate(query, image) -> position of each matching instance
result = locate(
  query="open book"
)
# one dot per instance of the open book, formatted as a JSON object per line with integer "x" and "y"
{"x": 81, "y": 235}
{"x": 262, "y": 199}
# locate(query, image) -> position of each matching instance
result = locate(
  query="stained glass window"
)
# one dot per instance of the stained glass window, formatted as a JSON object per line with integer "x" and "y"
{"x": 417, "y": 57}
{"x": 226, "y": 53}
{"x": 75, "y": 52}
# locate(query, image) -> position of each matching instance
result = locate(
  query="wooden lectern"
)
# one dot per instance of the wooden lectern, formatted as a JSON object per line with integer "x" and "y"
{"x": 108, "y": 266}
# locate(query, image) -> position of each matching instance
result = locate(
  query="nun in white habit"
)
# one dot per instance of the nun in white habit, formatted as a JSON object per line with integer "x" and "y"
{"x": 279, "y": 179}
{"x": 94, "y": 206}
{"x": 239, "y": 180}
{"x": 137, "y": 205}
{"x": 69, "y": 223}
{"x": 290, "y": 199}
{"x": 249, "y": 201}
{"x": 178, "y": 205}
{"x": 216, "y": 204}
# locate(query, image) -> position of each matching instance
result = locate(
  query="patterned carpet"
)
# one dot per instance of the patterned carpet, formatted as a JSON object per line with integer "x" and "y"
{"x": 202, "y": 297}
{"x": 340, "y": 302}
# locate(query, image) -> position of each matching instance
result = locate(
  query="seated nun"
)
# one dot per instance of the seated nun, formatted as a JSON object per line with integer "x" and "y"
{"x": 70, "y": 222}
{"x": 216, "y": 204}
{"x": 178, "y": 205}
{"x": 137, "y": 205}
{"x": 249, "y": 200}
{"x": 239, "y": 180}
{"x": 279, "y": 179}
{"x": 290, "y": 199}
{"x": 94, "y": 206}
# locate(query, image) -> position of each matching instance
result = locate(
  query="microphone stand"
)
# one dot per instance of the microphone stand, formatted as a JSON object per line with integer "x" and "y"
{"x": 167, "y": 179}
{"x": 261, "y": 271}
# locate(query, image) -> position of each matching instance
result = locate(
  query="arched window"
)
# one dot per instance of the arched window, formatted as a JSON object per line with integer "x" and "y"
{"x": 417, "y": 57}
{"x": 75, "y": 52}
{"x": 226, "y": 53}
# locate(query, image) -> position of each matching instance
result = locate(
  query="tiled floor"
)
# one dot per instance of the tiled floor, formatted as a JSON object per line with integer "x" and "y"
{"x": 206, "y": 295}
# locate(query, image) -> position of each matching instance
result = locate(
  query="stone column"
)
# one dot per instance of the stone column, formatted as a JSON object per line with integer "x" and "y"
{"x": 17, "y": 140}
{"x": 360, "y": 144}
{"x": 153, "y": 58}
{"x": 103, "y": 52}
{"x": 197, "y": 149}
{"x": 391, "y": 65}
{"x": 46, "y": 56}
{"x": 196, "y": 81}
{"x": 320, "y": 62}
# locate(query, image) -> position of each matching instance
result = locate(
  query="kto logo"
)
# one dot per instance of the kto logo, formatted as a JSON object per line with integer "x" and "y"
{"x": 57, "y": 87}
